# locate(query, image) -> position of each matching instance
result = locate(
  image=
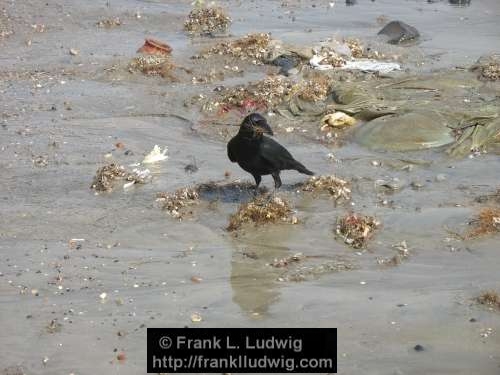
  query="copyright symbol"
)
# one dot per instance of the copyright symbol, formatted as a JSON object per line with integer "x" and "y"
{"x": 165, "y": 342}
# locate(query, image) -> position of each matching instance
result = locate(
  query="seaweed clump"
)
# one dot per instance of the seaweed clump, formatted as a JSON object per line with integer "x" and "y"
{"x": 176, "y": 203}
{"x": 105, "y": 177}
{"x": 336, "y": 187}
{"x": 264, "y": 94}
{"x": 489, "y": 298}
{"x": 152, "y": 65}
{"x": 356, "y": 230}
{"x": 261, "y": 211}
{"x": 487, "y": 222}
{"x": 207, "y": 20}
{"x": 252, "y": 46}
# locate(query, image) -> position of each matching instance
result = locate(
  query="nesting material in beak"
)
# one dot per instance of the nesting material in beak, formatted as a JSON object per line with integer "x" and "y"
{"x": 263, "y": 128}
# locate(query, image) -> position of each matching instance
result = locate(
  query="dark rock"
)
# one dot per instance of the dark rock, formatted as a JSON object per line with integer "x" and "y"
{"x": 460, "y": 3}
{"x": 286, "y": 62}
{"x": 399, "y": 32}
{"x": 418, "y": 348}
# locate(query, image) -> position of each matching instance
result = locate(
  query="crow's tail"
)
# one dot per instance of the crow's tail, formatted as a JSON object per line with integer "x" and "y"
{"x": 300, "y": 168}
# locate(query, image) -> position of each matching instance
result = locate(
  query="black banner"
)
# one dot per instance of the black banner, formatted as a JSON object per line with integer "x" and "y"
{"x": 233, "y": 350}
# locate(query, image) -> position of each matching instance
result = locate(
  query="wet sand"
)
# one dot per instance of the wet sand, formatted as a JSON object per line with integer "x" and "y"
{"x": 144, "y": 260}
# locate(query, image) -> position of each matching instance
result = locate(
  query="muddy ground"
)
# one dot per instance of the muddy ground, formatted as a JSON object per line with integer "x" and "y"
{"x": 63, "y": 114}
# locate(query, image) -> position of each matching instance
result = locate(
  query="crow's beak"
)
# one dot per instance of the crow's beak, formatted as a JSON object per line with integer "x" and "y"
{"x": 263, "y": 127}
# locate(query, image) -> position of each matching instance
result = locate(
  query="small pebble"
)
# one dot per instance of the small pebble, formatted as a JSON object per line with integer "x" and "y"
{"x": 418, "y": 348}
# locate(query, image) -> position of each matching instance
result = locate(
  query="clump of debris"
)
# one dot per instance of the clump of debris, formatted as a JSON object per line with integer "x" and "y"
{"x": 489, "y": 298}
{"x": 317, "y": 88}
{"x": 5, "y": 24}
{"x": 313, "y": 271}
{"x": 356, "y": 230}
{"x": 152, "y": 65}
{"x": 109, "y": 23}
{"x": 106, "y": 177}
{"x": 336, "y": 187}
{"x": 488, "y": 68}
{"x": 207, "y": 20}
{"x": 356, "y": 47}
{"x": 326, "y": 57}
{"x": 487, "y": 222}
{"x": 264, "y": 94}
{"x": 402, "y": 253}
{"x": 176, "y": 203}
{"x": 252, "y": 46}
{"x": 262, "y": 211}
{"x": 286, "y": 261}
{"x": 336, "y": 120}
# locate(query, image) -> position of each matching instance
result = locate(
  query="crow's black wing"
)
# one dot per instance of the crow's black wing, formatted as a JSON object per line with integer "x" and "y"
{"x": 276, "y": 155}
{"x": 230, "y": 146}
{"x": 279, "y": 158}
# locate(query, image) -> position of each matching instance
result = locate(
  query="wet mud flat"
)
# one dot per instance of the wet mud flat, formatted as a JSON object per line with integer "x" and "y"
{"x": 84, "y": 272}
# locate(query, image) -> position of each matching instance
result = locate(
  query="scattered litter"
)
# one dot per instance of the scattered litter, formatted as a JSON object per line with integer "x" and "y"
{"x": 137, "y": 177}
{"x": 154, "y": 47}
{"x": 121, "y": 357}
{"x": 304, "y": 272}
{"x": 153, "y": 65}
{"x": 490, "y": 299}
{"x": 336, "y": 120}
{"x": 252, "y": 46}
{"x": 326, "y": 59}
{"x": 356, "y": 47}
{"x": 156, "y": 155}
{"x": 40, "y": 161}
{"x": 195, "y": 318}
{"x": 107, "y": 175}
{"x": 73, "y": 52}
{"x": 54, "y": 326}
{"x": 207, "y": 20}
{"x": 103, "y": 180}
{"x": 369, "y": 65}
{"x": 356, "y": 229}
{"x": 488, "y": 67}
{"x": 397, "y": 259}
{"x": 487, "y": 222}
{"x": 196, "y": 279}
{"x": 261, "y": 211}
{"x": 109, "y": 22}
{"x": 177, "y": 202}
{"x": 284, "y": 262}
{"x": 315, "y": 89}
{"x": 103, "y": 296}
{"x": 264, "y": 94}
{"x": 336, "y": 187}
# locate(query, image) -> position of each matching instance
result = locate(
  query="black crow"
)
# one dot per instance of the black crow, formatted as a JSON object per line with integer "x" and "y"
{"x": 260, "y": 155}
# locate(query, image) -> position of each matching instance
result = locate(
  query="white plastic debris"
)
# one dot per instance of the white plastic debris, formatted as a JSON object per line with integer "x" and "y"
{"x": 141, "y": 176}
{"x": 368, "y": 65}
{"x": 315, "y": 63}
{"x": 156, "y": 155}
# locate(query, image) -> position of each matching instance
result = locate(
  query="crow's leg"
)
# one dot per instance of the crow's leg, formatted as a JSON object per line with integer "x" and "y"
{"x": 277, "y": 182}
{"x": 277, "y": 179}
{"x": 258, "y": 179}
